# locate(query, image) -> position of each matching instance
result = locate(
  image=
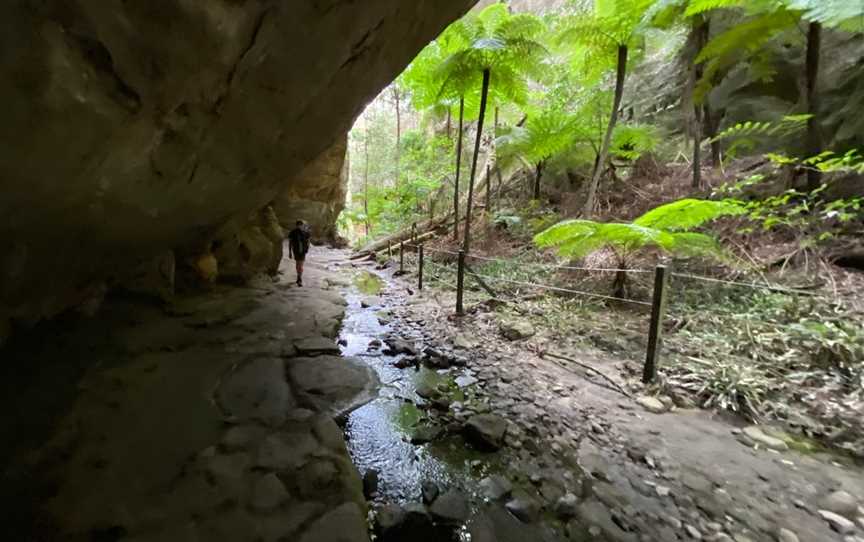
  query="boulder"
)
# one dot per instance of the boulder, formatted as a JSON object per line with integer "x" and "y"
{"x": 526, "y": 509}
{"x": 486, "y": 431}
{"x": 495, "y": 487}
{"x": 514, "y": 330}
{"x": 840, "y": 502}
{"x": 450, "y": 508}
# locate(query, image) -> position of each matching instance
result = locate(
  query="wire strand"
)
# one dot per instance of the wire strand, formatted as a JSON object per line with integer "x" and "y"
{"x": 752, "y": 285}
{"x": 567, "y": 290}
{"x": 564, "y": 267}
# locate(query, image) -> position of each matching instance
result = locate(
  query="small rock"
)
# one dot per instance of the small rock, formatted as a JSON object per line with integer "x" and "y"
{"x": 567, "y": 506}
{"x": 662, "y": 491}
{"x": 652, "y": 404}
{"x": 464, "y": 381}
{"x": 425, "y": 433}
{"x": 756, "y": 434}
{"x": 524, "y": 508}
{"x": 268, "y": 492}
{"x": 495, "y": 487}
{"x": 461, "y": 341}
{"x": 370, "y": 483}
{"x": 451, "y": 507}
{"x": 785, "y": 535}
{"x": 426, "y": 390}
{"x": 429, "y": 491}
{"x": 516, "y": 330}
{"x": 840, "y": 502}
{"x": 486, "y": 431}
{"x": 693, "y": 532}
{"x": 837, "y": 522}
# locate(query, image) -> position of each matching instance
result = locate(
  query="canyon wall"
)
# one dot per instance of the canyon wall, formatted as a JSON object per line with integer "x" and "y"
{"x": 133, "y": 129}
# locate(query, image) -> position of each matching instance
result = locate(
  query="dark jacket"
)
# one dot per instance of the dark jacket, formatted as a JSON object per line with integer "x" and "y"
{"x": 298, "y": 243}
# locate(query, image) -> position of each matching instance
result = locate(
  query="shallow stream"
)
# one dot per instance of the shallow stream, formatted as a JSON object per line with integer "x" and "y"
{"x": 379, "y": 433}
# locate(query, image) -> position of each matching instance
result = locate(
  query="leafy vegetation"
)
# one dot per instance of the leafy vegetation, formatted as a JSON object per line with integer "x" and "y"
{"x": 589, "y": 125}
{"x": 667, "y": 228}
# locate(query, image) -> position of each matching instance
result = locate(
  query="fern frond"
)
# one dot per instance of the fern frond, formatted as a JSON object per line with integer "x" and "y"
{"x": 687, "y": 214}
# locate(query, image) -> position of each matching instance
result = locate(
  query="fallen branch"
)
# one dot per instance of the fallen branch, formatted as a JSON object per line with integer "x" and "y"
{"x": 589, "y": 368}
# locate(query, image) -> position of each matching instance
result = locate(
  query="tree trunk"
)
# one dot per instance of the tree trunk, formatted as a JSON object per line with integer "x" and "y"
{"x": 449, "y": 116}
{"x": 366, "y": 178}
{"x": 710, "y": 124}
{"x": 702, "y": 31}
{"x": 814, "y": 139}
{"x": 488, "y": 188}
{"x": 697, "y": 147}
{"x": 537, "y": 180}
{"x": 458, "y": 168}
{"x": 398, "y": 132}
{"x": 620, "y": 74}
{"x": 483, "y": 95}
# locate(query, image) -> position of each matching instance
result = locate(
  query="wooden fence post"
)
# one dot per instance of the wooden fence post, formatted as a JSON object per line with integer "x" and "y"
{"x": 420, "y": 267}
{"x": 460, "y": 282}
{"x": 655, "y": 328}
{"x": 389, "y": 249}
{"x": 401, "y": 257}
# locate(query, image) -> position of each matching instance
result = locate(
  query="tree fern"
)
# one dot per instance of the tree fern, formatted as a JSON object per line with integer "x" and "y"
{"x": 665, "y": 227}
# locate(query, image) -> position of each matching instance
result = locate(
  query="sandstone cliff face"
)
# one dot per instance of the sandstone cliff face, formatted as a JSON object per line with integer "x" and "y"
{"x": 317, "y": 193}
{"x": 133, "y": 128}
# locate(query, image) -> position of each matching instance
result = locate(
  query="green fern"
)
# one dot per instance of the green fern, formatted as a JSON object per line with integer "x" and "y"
{"x": 665, "y": 227}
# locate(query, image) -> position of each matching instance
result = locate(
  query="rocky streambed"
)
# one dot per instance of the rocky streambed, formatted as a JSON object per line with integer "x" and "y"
{"x": 433, "y": 454}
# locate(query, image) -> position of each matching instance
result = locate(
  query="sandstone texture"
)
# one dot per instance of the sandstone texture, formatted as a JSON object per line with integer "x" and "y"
{"x": 133, "y": 129}
{"x": 198, "y": 424}
{"x": 316, "y": 195}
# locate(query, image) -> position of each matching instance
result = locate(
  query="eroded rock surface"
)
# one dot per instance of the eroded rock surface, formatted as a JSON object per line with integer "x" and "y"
{"x": 135, "y": 129}
{"x": 194, "y": 422}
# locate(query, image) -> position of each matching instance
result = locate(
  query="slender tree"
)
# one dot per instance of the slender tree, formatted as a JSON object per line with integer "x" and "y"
{"x": 612, "y": 29}
{"x": 501, "y": 50}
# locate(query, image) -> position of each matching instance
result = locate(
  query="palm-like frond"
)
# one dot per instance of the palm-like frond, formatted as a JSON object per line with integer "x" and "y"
{"x": 687, "y": 214}
{"x": 664, "y": 227}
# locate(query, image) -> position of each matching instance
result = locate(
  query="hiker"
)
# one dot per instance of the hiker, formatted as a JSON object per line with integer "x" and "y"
{"x": 298, "y": 247}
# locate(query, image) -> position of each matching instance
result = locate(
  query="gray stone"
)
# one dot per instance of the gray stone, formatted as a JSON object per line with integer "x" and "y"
{"x": 451, "y": 507}
{"x": 692, "y": 532}
{"x": 429, "y": 491}
{"x": 486, "y": 431}
{"x": 567, "y": 507}
{"x": 837, "y": 522}
{"x": 524, "y": 508}
{"x": 257, "y": 391}
{"x": 785, "y": 535}
{"x": 332, "y": 384}
{"x": 495, "y": 487}
{"x": 758, "y": 436}
{"x": 514, "y": 330}
{"x": 840, "y": 502}
{"x": 342, "y": 524}
{"x": 370, "y": 483}
{"x": 461, "y": 341}
{"x": 268, "y": 493}
{"x": 240, "y": 437}
{"x": 314, "y": 346}
{"x": 425, "y": 433}
{"x": 652, "y": 404}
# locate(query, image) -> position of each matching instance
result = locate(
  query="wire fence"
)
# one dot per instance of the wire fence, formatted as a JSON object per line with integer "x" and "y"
{"x": 660, "y": 293}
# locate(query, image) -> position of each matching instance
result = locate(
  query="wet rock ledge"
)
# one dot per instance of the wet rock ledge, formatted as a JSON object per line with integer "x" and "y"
{"x": 213, "y": 423}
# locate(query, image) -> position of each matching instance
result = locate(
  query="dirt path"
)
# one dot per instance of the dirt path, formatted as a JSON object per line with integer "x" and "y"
{"x": 679, "y": 475}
